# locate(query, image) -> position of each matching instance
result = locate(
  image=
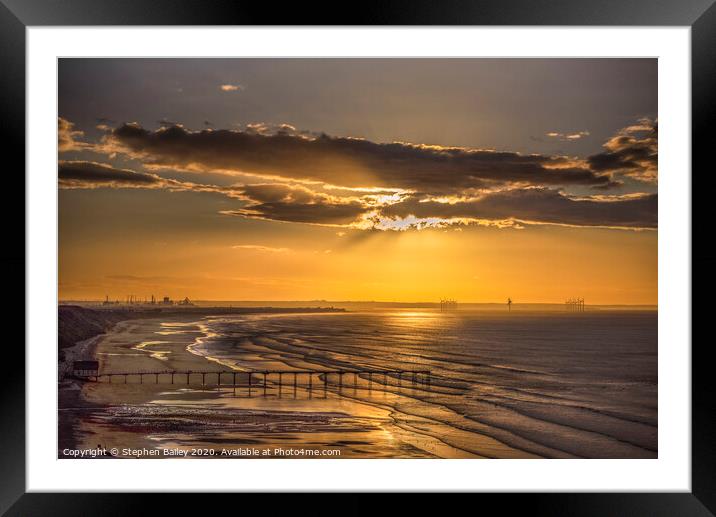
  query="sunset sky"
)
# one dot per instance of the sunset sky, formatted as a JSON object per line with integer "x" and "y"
{"x": 359, "y": 179}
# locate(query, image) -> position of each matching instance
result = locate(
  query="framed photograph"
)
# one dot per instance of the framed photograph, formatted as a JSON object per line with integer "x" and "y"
{"x": 268, "y": 253}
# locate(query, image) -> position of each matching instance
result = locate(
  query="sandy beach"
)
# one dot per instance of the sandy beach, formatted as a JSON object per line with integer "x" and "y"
{"x": 226, "y": 421}
{"x": 558, "y": 390}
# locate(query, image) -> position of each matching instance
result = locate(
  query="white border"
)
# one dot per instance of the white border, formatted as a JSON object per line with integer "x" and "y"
{"x": 670, "y": 472}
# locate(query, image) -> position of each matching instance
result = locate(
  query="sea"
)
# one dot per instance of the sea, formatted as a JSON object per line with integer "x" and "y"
{"x": 501, "y": 384}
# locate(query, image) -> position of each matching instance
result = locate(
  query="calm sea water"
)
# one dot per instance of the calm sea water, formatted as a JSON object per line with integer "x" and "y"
{"x": 545, "y": 384}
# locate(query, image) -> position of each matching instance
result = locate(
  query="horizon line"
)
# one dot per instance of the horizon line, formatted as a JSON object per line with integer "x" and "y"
{"x": 198, "y": 300}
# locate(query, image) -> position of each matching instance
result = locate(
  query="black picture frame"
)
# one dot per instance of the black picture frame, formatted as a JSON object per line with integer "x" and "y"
{"x": 700, "y": 15}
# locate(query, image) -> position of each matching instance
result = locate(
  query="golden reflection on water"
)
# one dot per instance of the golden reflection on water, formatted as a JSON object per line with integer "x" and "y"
{"x": 157, "y": 354}
{"x": 414, "y": 319}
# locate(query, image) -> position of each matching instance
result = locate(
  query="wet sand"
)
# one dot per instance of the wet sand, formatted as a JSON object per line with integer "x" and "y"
{"x": 228, "y": 420}
{"x": 527, "y": 385}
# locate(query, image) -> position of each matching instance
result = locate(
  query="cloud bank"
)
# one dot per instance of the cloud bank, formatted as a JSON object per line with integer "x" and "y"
{"x": 348, "y": 162}
{"x": 355, "y": 183}
{"x": 539, "y": 205}
{"x": 632, "y": 152}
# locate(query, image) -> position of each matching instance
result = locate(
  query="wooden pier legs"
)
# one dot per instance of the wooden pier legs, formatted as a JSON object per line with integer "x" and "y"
{"x": 415, "y": 378}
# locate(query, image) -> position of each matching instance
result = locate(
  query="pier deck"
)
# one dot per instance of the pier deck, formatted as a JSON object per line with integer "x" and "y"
{"x": 247, "y": 378}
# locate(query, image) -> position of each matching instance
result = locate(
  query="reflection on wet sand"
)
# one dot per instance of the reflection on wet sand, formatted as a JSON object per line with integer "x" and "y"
{"x": 549, "y": 393}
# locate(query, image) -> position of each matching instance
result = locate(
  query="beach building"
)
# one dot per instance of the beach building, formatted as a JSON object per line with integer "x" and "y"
{"x": 85, "y": 368}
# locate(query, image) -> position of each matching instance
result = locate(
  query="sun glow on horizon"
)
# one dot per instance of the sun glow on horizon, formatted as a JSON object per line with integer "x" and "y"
{"x": 395, "y": 180}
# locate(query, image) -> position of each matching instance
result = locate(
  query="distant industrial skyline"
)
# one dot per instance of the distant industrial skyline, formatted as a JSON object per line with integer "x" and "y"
{"x": 407, "y": 180}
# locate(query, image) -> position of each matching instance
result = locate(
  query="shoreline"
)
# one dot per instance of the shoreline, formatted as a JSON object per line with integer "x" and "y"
{"x": 136, "y": 416}
{"x": 75, "y": 395}
{"x": 502, "y": 418}
{"x": 78, "y": 325}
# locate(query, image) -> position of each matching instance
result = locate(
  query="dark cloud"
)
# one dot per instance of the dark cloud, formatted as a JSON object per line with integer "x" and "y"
{"x": 314, "y": 213}
{"x": 278, "y": 192}
{"x": 300, "y": 204}
{"x": 89, "y": 175}
{"x": 540, "y": 205}
{"x": 346, "y": 162}
{"x": 67, "y": 136}
{"x": 319, "y": 179}
{"x": 632, "y": 152}
{"x": 80, "y": 174}
{"x": 277, "y": 202}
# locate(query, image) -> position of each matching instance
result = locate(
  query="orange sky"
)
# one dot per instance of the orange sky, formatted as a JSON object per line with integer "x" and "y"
{"x": 245, "y": 208}
{"x": 214, "y": 258}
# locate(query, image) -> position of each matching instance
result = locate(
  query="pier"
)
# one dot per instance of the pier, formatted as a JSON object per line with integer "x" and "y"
{"x": 261, "y": 378}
